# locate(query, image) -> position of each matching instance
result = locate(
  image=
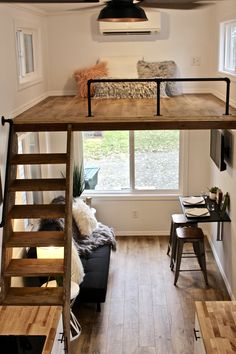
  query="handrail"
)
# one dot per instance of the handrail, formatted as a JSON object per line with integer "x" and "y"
{"x": 158, "y": 82}
{"x": 4, "y": 211}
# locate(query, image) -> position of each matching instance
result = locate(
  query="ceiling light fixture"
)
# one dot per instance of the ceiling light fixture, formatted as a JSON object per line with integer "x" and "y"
{"x": 122, "y": 11}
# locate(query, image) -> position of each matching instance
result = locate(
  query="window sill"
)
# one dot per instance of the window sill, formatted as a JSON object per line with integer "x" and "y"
{"x": 132, "y": 196}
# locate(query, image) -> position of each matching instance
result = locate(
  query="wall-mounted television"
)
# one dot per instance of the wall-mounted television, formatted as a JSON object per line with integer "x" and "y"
{"x": 217, "y": 149}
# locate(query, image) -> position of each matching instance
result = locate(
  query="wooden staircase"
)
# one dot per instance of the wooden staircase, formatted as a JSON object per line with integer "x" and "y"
{"x": 24, "y": 268}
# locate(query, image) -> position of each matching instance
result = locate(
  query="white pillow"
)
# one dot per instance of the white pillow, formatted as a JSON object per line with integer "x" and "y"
{"x": 121, "y": 67}
{"x": 77, "y": 270}
{"x": 84, "y": 217}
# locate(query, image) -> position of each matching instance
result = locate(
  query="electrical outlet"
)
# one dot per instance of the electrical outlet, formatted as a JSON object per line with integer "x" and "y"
{"x": 196, "y": 61}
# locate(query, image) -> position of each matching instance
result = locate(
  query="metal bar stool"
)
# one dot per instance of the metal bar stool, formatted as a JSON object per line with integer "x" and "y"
{"x": 195, "y": 236}
{"x": 177, "y": 220}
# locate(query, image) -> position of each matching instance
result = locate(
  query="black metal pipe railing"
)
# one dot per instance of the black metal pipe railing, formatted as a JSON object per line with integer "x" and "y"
{"x": 7, "y": 172}
{"x": 158, "y": 82}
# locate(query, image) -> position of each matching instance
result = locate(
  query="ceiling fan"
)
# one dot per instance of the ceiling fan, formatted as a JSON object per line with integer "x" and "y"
{"x": 124, "y": 10}
{"x": 133, "y": 10}
{"x": 160, "y": 4}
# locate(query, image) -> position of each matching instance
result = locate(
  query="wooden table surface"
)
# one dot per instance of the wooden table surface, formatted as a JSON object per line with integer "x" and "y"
{"x": 31, "y": 320}
{"x": 217, "y": 320}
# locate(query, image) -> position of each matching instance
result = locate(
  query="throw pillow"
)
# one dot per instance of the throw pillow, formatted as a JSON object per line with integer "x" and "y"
{"x": 77, "y": 270}
{"x": 83, "y": 75}
{"x": 84, "y": 217}
{"x": 134, "y": 90}
{"x": 156, "y": 69}
{"x": 167, "y": 68}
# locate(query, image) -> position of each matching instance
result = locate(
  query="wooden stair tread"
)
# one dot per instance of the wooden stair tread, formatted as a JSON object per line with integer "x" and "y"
{"x": 36, "y": 238}
{"x": 34, "y": 296}
{"x": 37, "y": 211}
{"x": 32, "y": 159}
{"x": 34, "y": 267}
{"x": 42, "y": 184}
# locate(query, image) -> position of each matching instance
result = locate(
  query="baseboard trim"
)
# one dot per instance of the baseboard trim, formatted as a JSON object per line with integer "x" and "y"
{"x": 196, "y": 90}
{"x": 61, "y": 93}
{"x": 222, "y": 272}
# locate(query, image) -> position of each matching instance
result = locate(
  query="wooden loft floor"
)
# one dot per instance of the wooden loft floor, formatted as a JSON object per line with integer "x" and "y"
{"x": 191, "y": 111}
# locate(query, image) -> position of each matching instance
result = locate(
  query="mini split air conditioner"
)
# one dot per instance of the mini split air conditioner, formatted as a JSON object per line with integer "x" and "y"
{"x": 153, "y": 25}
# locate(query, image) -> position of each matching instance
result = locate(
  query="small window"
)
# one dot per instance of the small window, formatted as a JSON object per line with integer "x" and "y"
{"x": 28, "y": 56}
{"x": 228, "y": 47}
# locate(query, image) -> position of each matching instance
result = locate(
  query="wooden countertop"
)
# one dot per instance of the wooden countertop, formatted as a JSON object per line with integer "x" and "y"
{"x": 31, "y": 320}
{"x": 217, "y": 320}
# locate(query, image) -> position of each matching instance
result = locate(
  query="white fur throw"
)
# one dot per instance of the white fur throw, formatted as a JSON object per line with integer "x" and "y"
{"x": 84, "y": 217}
{"x": 77, "y": 270}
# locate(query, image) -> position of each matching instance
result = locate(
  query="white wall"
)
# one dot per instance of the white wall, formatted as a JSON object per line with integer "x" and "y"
{"x": 75, "y": 42}
{"x": 13, "y": 100}
{"x": 225, "y": 251}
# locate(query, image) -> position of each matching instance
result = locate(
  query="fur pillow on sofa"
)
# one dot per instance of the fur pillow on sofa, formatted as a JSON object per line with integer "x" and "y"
{"x": 77, "y": 270}
{"x": 167, "y": 68}
{"x": 84, "y": 217}
{"x": 83, "y": 75}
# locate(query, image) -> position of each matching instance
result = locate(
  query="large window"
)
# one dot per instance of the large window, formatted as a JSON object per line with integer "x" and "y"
{"x": 228, "y": 47}
{"x": 136, "y": 161}
{"x": 28, "y": 55}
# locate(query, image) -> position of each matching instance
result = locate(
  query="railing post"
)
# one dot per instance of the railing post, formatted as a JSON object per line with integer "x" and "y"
{"x": 227, "y": 95}
{"x": 7, "y": 168}
{"x": 89, "y": 98}
{"x": 158, "y": 82}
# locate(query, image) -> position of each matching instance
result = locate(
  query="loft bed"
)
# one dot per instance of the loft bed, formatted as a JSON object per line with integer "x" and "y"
{"x": 141, "y": 101}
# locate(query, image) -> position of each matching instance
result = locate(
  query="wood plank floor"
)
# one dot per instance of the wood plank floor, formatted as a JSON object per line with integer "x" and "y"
{"x": 144, "y": 312}
{"x": 189, "y": 111}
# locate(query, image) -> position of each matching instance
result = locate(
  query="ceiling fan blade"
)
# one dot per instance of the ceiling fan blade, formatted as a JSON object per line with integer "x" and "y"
{"x": 175, "y": 5}
{"x": 88, "y": 7}
{"x": 53, "y": 1}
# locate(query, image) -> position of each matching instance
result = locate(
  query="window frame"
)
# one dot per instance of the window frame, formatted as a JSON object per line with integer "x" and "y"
{"x": 146, "y": 193}
{"x": 224, "y": 48}
{"x": 28, "y": 79}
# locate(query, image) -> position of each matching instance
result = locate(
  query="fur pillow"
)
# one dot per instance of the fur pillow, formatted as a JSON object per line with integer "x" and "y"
{"x": 77, "y": 270}
{"x": 167, "y": 68}
{"x": 84, "y": 217}
{"x": 156, "y": 69}
{"x": 83, "y": 75}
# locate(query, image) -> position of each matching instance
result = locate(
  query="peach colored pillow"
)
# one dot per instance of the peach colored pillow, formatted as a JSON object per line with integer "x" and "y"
{"x": 83, "y": 75}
